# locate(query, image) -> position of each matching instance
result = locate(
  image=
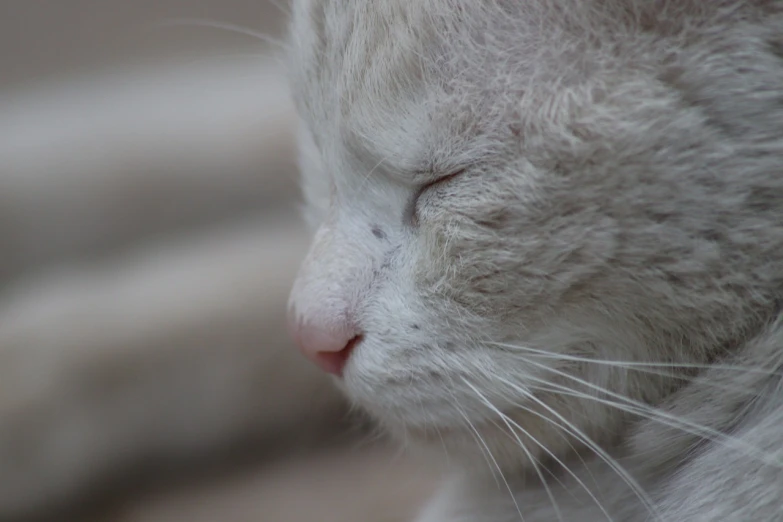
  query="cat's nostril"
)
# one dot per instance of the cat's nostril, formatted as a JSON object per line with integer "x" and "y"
{"x": 328, "y": 347}
{"x": 334, "y": 362}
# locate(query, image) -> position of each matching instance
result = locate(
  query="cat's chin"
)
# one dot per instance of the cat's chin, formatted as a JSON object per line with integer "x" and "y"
{"x": 479, "y": 445}
{"x": 517, "y": 431}
{"x": 482, "y": 450}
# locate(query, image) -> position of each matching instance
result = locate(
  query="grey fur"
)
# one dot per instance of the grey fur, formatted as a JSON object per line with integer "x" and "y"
{"x": 559, "y": 184}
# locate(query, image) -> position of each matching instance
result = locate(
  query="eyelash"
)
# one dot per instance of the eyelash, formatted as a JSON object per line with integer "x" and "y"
{"x": 413, "y": 217}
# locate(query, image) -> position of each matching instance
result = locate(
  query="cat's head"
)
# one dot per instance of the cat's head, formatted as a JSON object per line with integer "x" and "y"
{"x": 515, "y": 199}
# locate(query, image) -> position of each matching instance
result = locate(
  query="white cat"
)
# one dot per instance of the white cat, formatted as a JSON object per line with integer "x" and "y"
{"x": 550, "y": 244}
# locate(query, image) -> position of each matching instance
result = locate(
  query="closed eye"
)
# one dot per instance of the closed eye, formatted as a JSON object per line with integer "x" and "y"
{"x": 411, "y": 215}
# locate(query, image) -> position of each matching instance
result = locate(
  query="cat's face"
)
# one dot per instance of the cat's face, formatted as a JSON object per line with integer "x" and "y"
{"x": 499, "y": 194}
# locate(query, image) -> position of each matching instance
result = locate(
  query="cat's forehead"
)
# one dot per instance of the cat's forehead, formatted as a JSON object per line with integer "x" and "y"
{"x": 385, "y": 80}
{"x": 344, "y": 51}
{"x": 427, "y": 81}
{"x": 341, "y": 50}
{"x": 356, "y": 70}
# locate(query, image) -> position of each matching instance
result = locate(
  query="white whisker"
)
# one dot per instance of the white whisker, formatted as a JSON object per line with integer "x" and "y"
{"x": 542, "y": 446}
{"x": 647, "y": 411}
{"x": 369, "y": 174}
{"x": 638, "y": 364}
{"x": 280, "y": 6}
{"x": 225, "y": 26}
{"x": 488, "y": 454}
{"x": 522, "y": 446}
{"x": 653, "y": 369}
{"x": 494, "y": 461}
{"x": 592, "y": 445}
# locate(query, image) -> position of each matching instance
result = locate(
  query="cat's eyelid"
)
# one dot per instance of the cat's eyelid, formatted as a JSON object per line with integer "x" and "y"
{"x": 431, "y": 177}
{"x": 410, "y": 214}
{"x": 446, "y": 177}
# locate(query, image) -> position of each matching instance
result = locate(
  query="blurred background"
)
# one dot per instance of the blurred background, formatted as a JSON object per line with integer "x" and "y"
{"x": 148, "y": 238}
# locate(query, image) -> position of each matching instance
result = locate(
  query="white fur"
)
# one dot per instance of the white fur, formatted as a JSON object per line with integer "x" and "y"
{"x": 618, "y": 197}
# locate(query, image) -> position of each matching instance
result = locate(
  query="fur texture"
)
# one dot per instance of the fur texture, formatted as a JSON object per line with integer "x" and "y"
{"x": 558, "y": 227}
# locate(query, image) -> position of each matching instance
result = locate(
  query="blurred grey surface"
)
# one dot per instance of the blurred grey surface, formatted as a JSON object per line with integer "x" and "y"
{"x": 148, "y": 238}
{"x": 45, "y": 39}
{"x": 142, "y": 90}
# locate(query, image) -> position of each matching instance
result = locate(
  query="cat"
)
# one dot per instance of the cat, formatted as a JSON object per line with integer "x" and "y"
{"x": 548, "y": 246}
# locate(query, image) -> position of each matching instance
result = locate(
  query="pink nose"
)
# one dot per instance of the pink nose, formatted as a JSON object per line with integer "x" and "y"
{"x": 328, "y": 348}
